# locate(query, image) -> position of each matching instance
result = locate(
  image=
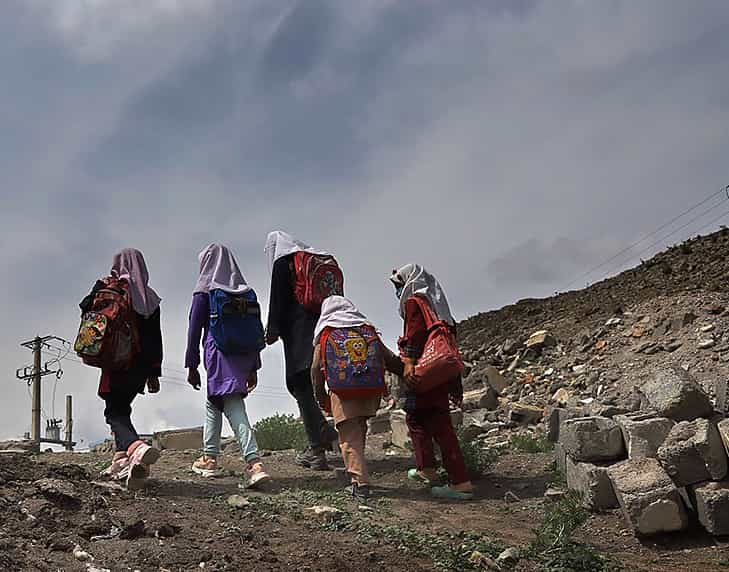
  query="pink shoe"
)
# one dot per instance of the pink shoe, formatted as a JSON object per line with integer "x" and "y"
{"x": 255, "y": 474}
{"x": 117, "y": 470}
{"x": 207, "y": 467}
{"x": 141, "y": 456}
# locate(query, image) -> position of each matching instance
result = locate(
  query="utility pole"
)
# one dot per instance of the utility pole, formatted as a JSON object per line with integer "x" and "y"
{"x": 36, "y": 411}
{"x": 69, "y": 423}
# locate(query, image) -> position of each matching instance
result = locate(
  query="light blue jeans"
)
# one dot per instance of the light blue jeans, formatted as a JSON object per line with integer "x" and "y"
{"x": 234, "y": 408}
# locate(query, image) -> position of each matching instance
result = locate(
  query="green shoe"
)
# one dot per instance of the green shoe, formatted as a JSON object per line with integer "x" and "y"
{"x": 448, "y": 493}
{"x": 414, "y": 475}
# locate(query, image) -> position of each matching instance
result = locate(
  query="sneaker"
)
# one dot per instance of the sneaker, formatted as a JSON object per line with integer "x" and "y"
{"x": 141, "y": 457}
{"x": 255, "y": 475}
{"x": 118, "y": 465}
{"x": 207, "y": 467}
{"x": 418, "y": 477}
{"x": 311, "y": 459}
{"x": 449, "y": 493}
{"x": 360, "y": 493}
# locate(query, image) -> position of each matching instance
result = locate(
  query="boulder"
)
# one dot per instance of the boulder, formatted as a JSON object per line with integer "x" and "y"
{"x": 643, "y": 433}
{"x": 541, "y": 339}
{"x": 178, "y": 439}
{"x": 711, "y": 501}
{"x": 592, "y": 439}
{"x": 494, "y": 378}
{"x": 486, "y": 398}
{"x": 380, "y": 423}
{"x": 693, "y": 452}
{"x": 556, "y": 416}
{"x": 649, "y": 500}
{"x": 673, "y": 393}
{"x": 593, "y": 484}
{"x": 525, "y": 414}
{"x": 400, "y": 431}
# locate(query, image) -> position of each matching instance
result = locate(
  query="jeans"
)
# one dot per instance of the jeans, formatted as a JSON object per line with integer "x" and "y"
{"x": 234, "y": 409}
{"x": 118, "y": 413}
{"x": 299, "y": 385}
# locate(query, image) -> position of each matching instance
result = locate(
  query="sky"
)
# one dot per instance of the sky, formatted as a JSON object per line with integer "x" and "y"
{"x": 509, "y": 146}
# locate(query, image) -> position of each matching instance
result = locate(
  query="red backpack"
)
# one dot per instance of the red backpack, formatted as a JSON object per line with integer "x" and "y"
{"x": 318, "y": 276}
{"x": 108, "y": 337}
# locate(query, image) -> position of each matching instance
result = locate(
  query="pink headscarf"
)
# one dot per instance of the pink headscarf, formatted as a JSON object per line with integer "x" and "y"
{"x": 129, "y": 265}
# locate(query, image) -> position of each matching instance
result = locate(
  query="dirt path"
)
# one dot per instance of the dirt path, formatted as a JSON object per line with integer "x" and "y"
{"x": 187, "y": 524}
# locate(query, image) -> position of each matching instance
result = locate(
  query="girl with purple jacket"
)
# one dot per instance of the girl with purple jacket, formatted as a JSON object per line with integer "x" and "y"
{"x": 230, "y": 377}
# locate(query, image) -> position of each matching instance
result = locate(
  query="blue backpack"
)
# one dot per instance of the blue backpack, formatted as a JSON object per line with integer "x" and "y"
{"x": 354, "y": 365}
{"x": 235, "y": 322}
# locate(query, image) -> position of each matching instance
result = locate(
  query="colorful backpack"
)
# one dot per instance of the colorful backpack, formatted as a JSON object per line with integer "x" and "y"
{"x": 317, "y": 277}
{"x": 354, "y": 365}
{"x": 108, "y": 337}
{"x": 235, "y": 322}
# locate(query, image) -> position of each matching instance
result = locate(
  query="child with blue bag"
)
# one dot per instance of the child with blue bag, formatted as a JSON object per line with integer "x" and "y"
{"x": 226, "y": 315}
{"x": 351, "y": 359}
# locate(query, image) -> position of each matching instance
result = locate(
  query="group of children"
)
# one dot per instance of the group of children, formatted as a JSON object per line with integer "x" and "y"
{"x": 335, "y": 361}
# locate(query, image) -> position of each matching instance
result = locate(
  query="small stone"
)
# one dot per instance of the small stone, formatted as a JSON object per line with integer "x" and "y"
{"x": 614, "y": 322}
{"x": 554, "y": 495}
{"x": 561, "y": 396}
{"x": 81, "y": 555}
{"x": 57, "y": 488}
{"x": 482, "y": 561}
{"x": 166, "y": 531}
{"x": 509, "y": 496}
{"x": 579, "y": 368}
{"x": 509, "y": 557}
{"x": 707, "y": 343}
{"x": 706, "y": 329}
{"x": 238, "y": 501}
{"x": 541, "y": 339}
{"x": 326, "y": 513}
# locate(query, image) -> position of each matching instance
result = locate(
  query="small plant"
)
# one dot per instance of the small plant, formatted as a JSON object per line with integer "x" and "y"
{"x": 531, "y": 444}
{"x": 478, "y": 459}
{"x": 279, "y": 432}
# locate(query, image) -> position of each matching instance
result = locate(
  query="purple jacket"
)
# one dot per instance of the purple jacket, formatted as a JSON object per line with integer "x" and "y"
{"x": 227, "y": 374}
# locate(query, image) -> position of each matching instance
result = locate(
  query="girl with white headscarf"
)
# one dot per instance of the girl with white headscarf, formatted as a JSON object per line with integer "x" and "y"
{"x": 294, "y": 325}
{"x": 350, "y": 414}
{"x": 119, "y": 388}
{"x": 423, "y": 303}
{"x": 230, "y": 377}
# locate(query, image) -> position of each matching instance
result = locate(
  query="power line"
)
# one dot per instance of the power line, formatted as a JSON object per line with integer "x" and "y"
{"x": 724, "y": 190}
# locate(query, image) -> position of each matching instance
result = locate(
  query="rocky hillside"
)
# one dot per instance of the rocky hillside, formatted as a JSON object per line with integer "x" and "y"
{"x": 614, "y": 335}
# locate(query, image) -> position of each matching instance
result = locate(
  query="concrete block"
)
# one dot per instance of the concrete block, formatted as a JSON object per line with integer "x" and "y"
{"x": 649, "y": 500}
{"x": 560, "y": 458}
{"x": 592, "y": 439}
{"x": 525, "y": 414}
{"x": 400, "y": 431}
{"x": 556, "y": 416}
{"x": 178, "y": 439}
{"x": 643, "y": 433}
{"x": 673, "y": 393}
{"x": 693, "y": 452}
{"x": 380, "y": 423}
{"x": 723, "y": 427}
{"x": 593, "y": 483}
{"x": 711, "y": 501}
{"x": 486, "y": 398}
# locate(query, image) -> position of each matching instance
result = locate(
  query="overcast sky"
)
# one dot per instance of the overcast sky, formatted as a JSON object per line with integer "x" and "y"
{"x": 508, "y": 146}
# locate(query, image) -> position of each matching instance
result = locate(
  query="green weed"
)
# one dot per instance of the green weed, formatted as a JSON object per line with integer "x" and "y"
{"x": 279, "y": 432}
{"x": 531, "y": 444}
{"x": 479, "y": 459}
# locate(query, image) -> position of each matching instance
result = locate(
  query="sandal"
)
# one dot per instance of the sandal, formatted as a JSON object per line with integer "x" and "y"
{"x": 449, "y": 493}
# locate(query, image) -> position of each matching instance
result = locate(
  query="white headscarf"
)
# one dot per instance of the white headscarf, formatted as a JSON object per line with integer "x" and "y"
{"x": 280, "y": 243}
{"x": 129, "y": 264}
{"x": 219, "y": 270}
{"x": 416, "y": 281}
{"x": 338, "y": 312}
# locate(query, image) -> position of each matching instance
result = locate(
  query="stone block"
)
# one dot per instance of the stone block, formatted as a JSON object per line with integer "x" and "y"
{"x": 178, "y": 439}
{"x": 693, "y": 452}
{"x": 723, "y": 427}
{"x": 593, "y": 484}
{"x": 643, "y": 433}
{"x": 560, "y": 458}
{"x": 525, "y": 414}
{"x": 711, "y": 501}
{"x": 592, "y": 439}
{"x": 649, "y": 500}
{"x": 673, "y": 393}
{"x": 486, "y": 398}
{"x": 556, "y": 416}
{"x": 541, "y": 339}
{"x": 380, "y": 423}
{"x": 400, "y": 431}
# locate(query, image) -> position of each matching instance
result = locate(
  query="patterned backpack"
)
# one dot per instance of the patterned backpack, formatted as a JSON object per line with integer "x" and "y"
{"x": 108, "y": 337}
{"x": 354, "y": 364}
{"x": 317, "y": 277}
{"x": 235, "y": 322}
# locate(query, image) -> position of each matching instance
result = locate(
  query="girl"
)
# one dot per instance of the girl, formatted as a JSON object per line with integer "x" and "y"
{"x": 294, "y": 324}
{"x": 421, "y": 300}
{"x": 351, "y": 413}
{"x": 118, "y": 388}
{"x": 230, "y": 377}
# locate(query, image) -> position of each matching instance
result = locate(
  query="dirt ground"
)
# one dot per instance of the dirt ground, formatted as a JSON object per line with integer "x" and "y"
{"x": 183, "y": 522}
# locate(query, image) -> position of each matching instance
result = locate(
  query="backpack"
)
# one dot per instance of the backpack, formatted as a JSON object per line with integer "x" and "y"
{"x": 235, "y": 322}
{"x": 318, "y": 276}
{"x": 354, "y": 364}
{"x": 108, "y": 337}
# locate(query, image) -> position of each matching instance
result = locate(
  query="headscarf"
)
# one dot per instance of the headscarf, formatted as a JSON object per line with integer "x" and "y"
{"x": 219, "y": 270}
{"x": 280, "y": 244}
{"x": 416, "y": 281}
{"x": 338, "y": 312}
{"x": 129, "y": 265}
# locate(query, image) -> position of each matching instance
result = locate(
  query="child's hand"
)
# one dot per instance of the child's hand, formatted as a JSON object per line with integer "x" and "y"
{"x": 252, "y": 381}
{"x": 153, "y": 384}
{"x": 193, "y": 378}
